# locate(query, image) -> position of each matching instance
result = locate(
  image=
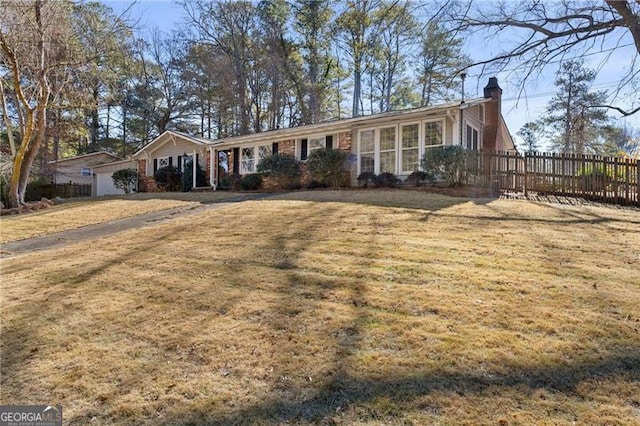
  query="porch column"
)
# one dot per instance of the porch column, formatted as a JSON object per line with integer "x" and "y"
{"x": 193, "y": 169}
{"x": 212, "y": 180}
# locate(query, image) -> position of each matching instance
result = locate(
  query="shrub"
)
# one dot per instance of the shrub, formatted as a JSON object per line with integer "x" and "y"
{"x": 386, "y": 180}
{"x": 594, "y": 178}
{"x": 283, "y": 168}
{"x": 365, "y": 178}
{"x": 314, "y": 184}
{"x": 327, "y": 165}
{"x": 168, "y": 178}
{"x": 251, "y": 182}
{"x": 417, "y": 177}
{"x": 224, "y": 182}
{"x": 447, "y": 162}
{"x": 235, "y": 182}
{"x": 125, "y": 180}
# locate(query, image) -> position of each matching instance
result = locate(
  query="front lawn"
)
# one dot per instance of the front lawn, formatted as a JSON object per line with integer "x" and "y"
{"x": 336, "y": 307}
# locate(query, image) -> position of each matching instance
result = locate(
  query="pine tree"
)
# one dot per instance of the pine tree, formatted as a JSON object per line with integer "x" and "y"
{"x": 571, "y": 121}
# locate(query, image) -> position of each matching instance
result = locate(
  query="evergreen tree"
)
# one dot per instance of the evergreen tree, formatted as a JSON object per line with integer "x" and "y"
{"x": 530, "y": 133}
{"x": 571, "y": 121}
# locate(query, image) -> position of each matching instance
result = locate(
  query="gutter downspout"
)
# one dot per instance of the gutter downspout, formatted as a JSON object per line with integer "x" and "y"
{"x": 463, "y": 76}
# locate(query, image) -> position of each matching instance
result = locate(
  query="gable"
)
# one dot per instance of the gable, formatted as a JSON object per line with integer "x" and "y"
{"x": 170, "y": 144}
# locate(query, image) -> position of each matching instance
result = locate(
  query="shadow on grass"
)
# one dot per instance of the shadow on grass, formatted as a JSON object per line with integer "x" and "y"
{"x": 344, "y": 391}
{"x": 341, "y": 389}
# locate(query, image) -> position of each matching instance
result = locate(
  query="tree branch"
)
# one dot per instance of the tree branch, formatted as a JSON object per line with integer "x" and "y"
{"x": 620, "y": 110}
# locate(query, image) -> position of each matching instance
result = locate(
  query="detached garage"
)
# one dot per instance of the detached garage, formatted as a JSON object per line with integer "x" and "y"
{"x": 102, "y": 181}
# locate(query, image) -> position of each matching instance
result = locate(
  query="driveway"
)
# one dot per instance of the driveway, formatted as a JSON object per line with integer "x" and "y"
{"x": 62, "y": 238}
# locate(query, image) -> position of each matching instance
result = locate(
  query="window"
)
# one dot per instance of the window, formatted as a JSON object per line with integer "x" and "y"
{"x": 163, "y": 162}
{"x": 481, "y": 113}
{"x": 433, "y": 133}
{"x": 85, "y": 171}
{"x": 316, "y": 143}
{"x": 264, "y": 151}
{"x": 247, "y": 160}
{"x": 473, "y": 138}
{"x": 388, "y": 150}
{"x": 410, "y": 147}
{"x": 367, "y": 151}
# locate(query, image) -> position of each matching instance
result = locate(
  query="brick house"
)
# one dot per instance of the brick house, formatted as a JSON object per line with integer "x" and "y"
{"x": 391, "y": 142}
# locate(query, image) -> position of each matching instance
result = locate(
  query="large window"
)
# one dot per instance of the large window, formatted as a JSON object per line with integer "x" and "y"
{"x": 398, "y": 148}
{"x": 248, "y": 159}
{"x": 433, "y": 133}
{"x": 367, "y": 151}
{"x": 410, "y": 147}
{"x": 388, "y": 150}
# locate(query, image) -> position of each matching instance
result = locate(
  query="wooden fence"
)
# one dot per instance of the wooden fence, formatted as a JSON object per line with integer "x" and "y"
{"x": 606, "y": 179}
{"x": 36, "y": 191}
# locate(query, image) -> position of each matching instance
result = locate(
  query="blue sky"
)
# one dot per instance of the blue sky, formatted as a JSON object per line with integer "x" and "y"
{"x": 166, "y": 14}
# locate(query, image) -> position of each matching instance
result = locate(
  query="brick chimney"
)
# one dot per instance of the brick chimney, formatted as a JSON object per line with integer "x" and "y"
{"x": 492, "y": 140}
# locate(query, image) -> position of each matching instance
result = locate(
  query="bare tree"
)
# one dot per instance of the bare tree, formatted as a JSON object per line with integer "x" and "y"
{"x": 548, "y": 32}
{"x": 35, "y": 39}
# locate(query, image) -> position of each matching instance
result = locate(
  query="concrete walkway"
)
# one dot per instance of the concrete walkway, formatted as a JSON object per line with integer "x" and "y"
{"x": 99, "y": 230}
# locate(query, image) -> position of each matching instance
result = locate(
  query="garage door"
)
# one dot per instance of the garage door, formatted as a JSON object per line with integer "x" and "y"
{"x": 104, "y": 185}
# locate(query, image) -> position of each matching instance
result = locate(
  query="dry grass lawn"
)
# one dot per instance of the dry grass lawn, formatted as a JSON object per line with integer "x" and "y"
{"x": 350, "y": 307}
{"x": 76, "y": 214}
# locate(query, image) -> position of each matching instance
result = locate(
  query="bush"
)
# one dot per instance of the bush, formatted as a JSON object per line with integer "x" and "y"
{"x": 251, "y": 182}
{"x": 283, "y": 168}
{"x": 447, "y": 162}
{"x": 417, "y": 177}
{"x": 594, "y": 178}
{"x": 327, "y": 166}
{"x": 386, "y": 180}
{"x": 125, "y": 180}
{"x": 168, "y": 178}
{"x": 314, "y": 184}
{"x": 365, "y": 178}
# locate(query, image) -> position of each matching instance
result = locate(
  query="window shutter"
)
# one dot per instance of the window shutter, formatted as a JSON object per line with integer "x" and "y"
{"x": 329, "y": 140}
{"x": 155, "y": 165}
{"x": 180, "y": 162}
{"x": 197, "y": 161}
{"x": 274, "y": 148}
{"x": 303, "y": 149}
{"x": 170, "y": 161}
{"x": 236, "y": 161}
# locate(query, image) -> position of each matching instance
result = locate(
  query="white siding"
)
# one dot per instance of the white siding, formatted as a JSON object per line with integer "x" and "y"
{"x": 173, "y": 149}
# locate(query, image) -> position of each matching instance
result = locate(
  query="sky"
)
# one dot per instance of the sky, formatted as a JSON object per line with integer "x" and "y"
{"x": 518, "y": 106}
